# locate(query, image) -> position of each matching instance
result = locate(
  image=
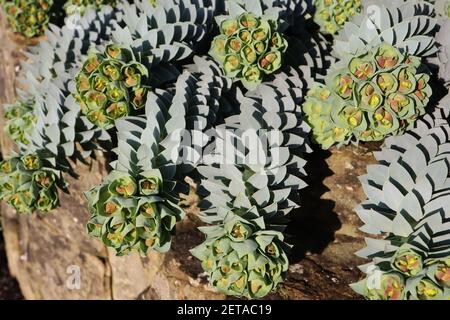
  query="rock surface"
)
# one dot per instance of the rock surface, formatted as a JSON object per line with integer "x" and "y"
{"x": 47, "y": 252}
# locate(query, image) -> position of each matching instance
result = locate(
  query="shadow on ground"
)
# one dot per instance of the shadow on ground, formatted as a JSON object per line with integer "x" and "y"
{"x": 313, "y": 225}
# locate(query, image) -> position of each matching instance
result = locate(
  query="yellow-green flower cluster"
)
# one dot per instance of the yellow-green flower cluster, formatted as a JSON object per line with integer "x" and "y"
{"x": 377, "y": 94}
{"x": 20, "y": 119}
{"x": 408, "y": 277}
{"x": 130, "y": 215}
{"x": 110, "y": 86}
{"x": 248, "y": 48}
{"x": 241, "y": 259}
{"x": 80, "y": 6}
{"x": 28, "y": 17}
{"x": 331, "y": 15}
{"x": 27, "y": 185}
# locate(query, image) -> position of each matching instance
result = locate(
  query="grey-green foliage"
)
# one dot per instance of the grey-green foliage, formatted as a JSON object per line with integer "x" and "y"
{"x": 408, "y": 203}
{"x": 252, "y": 179}
{"x": 167, "y": 33}
{"x": 136, "y": 207}
{"x": 407, "y": 25}
{"x": 53, "y": 63}
{"x": 153, "y": 41}
{"x": 443, "y": 56}
{"x": 442, "y": 7}
{"x": 58, "y": 133}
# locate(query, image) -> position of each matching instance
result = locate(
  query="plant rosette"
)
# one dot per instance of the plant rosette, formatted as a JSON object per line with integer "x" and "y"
{"x": 248, "y": 48}
{"x": 110, "y": 86}
{"x": 377, "y": 94}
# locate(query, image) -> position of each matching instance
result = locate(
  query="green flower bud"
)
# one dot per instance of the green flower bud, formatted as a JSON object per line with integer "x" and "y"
{"x": 82, "y": 82}
{"x": 270, "y": 62}
{"x": 116, "y": 52}
{"x": 31, "y": 162}
{"x": 392, "y": 288}
{"x": 258, "y": 286}
{"x": 370, "y": 99}
{"x": 361, "y": 69}
{"x": 47, "y": 200}
{"x": 111, "y": 70}
{"x": 248, "y": 20}
{"x": 406, "y": 81}
{"x": 124, "y": 186}
{"x": 343, "y": 86}
{"x": 407, "y": 262}
{"x": 423, "y": 89}
{"x": 427, "y": 290}
{"x": 97, "y": 82}
{"x": 278, "y": 42}
{"x": 442, "y": 273}
{"x": 115, "y": 93}
{"x": 272, "y": 250}
{"x": 92, "y": 62}
{"x": 117, "y": 110}
{"x": 232, "y": 63}
{"x": 221, "y": 247}
{"x": 252, "y": 74}
{"x": 351, "y": 116}
{"x": 400, "y": 104}
{"x": 259, "y": 47}
{"x": 138, "y": 98}
{"x": 234, "y": 44}
{"x": 150, "y": 185}
{"x": 7, "y": 166}
{"x": 229, "y": 27}
{"x": 260, "y": 34}
{"x": 44, "y": 179}
{"x": 99, "y": 118}
{"x": 383, "y": 122}
{"x": 387, "y": 82}
{"x": 218, "y": 50}
{"x": 238, "y": 231}
{"x": 387, "y": 56}
{"x": 245, "y": 35}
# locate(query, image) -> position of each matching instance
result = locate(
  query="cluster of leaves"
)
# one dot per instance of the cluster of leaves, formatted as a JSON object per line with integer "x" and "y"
{"x": 57, "y": 133}
{"x": 28, "y": 17}
{"x": 376, "y": 94}
{"x": 248, "y": 47}
{"x": 408, "y": 203}
{"x": 244, "y": 252}
{"x": 109, "y": 84}
{"x": 80, "y": 6}
{"x": 331, "y": 15}
{"x": 27, "y": 184}
{"x": 136, "y": 207}
{"x": 130, "y": 215}
{"x": 136, "y": 73}
{"x": 20, "y": 119}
